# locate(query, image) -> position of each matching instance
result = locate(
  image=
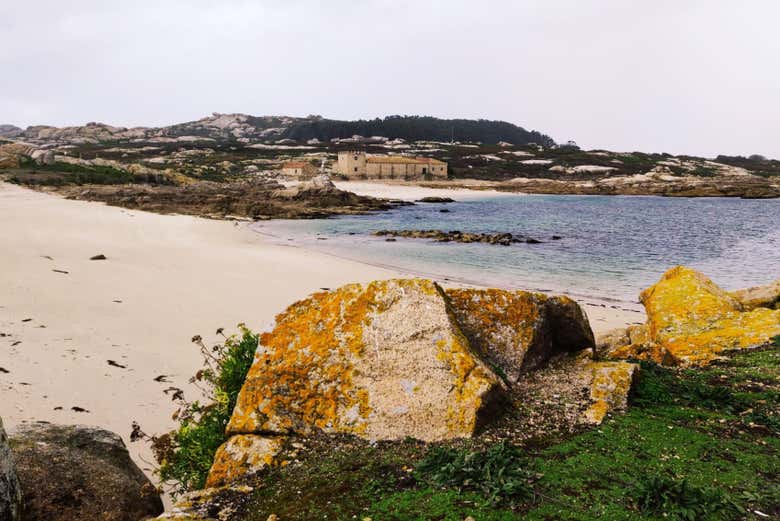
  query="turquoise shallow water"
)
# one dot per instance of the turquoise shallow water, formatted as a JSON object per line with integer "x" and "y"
{"x": 612, "y": 247}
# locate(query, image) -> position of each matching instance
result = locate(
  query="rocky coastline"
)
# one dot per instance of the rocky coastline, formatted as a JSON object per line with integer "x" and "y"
{"x": 501, "y": 239}
{"x": 256, "y": 199}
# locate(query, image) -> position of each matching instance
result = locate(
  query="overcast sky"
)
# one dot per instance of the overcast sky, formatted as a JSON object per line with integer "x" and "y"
{"x": 698, "y": 77}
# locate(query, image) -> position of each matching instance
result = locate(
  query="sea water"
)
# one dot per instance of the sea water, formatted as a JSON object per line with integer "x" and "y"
{"x": 611, "y": 247}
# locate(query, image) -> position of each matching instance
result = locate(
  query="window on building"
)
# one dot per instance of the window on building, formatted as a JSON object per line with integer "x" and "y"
{"x": 355, "y": 158}
{"x": 355, "y": 169}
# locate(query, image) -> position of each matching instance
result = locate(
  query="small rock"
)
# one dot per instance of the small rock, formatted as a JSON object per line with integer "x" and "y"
{"x": 98, "y": 257}
{"x": 431, "y": 199}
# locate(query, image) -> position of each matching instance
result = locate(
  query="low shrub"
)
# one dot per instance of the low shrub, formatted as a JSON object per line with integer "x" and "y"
{"x": 680, "y": 500}
{"x": 185, "y": 455}
{"x": 498, "y": 473}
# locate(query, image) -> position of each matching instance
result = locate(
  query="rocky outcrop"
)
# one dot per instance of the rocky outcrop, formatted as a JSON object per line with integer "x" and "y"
{"x": 503, "y": 239}
{"x": 9, "y": 130}
{"x": 435, "y": 199}
{"x": 253, "y": 199}
{"x": 691, "y": 321}
{"x": 211, "y": 504}
{"x": 720, "y": 184}
{"x": 244, "y": 454}
{"x": 609, "y": 388}
{"x": 72, "y": 472}
{"x": 404, "y": 358}
{"x": 767, "y": 296}
{"x": 517, "y": 331}
{"x": 384, "y": 360}
{"x": 10, "y": 490}
{"x": 11, "y": 154}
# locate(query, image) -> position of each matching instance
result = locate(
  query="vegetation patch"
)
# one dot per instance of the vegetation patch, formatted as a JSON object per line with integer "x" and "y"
{"x": 185, "y": 455}
{"x": 696, "y": 444}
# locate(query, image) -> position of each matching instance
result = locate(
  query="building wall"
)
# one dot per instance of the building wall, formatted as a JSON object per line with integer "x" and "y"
{"x": 352, "y": 164}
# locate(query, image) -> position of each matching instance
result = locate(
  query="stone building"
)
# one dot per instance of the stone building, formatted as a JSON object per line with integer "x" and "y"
{"x": 299, "y": 169}
{"x": 358, "y": 165}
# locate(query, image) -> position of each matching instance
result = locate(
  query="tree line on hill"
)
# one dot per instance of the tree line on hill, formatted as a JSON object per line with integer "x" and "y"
{"x": 418, "y": 128}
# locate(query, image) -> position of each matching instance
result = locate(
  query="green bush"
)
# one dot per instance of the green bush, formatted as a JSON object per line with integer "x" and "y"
{"x": 678, "y": 499}
{"x": 776, "y": 341}
{"x": 499, "y": 472}
{"x": 186, "y": 454}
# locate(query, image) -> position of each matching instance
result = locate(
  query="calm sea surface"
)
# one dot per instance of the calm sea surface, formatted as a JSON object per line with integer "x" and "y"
{"x": 612, "y": 247}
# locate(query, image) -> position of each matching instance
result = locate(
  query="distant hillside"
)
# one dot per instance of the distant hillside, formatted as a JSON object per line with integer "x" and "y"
{"x": 247, "y": 129}
{"x": 417, "y": 128}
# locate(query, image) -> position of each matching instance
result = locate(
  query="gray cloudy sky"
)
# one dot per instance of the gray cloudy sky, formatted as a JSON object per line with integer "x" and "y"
{"x": 697, "y": 77}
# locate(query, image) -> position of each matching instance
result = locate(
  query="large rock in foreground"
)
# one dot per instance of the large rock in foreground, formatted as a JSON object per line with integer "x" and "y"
{"x": 518, "y": 331}
{"x": 72, "y": 472}
{"x": 384, "y": 360}
{"x": 690, "y": 321}
{"x": 10, "y": 491}
{"x": 395, "y": 359}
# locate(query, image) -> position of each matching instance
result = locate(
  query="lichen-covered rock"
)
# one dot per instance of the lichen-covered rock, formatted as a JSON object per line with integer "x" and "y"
{"x": 209, "y": 504}
{"x": 690, "y": 321}
{"x": 10, "y": 491}
{"x": 241, "y": 455}
{"x": 519, "y": 330}
{"x": 767, "y": 296}
{"x": 72, "y": 472}
{"x": 385, "y": 360}
{"x": 609, "y": 388}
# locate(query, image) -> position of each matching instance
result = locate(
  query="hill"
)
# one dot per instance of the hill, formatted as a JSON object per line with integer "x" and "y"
{"x": 243, "y": 128}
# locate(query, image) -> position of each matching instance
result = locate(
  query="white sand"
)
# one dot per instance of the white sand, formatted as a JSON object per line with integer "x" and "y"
{"x": 175, "y": 276}
{"x": 408, "y": 191}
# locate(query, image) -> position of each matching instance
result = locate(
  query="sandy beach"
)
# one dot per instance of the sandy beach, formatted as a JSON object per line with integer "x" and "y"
{"x": 165, "y": 279}
{"x": 407, "y": 191}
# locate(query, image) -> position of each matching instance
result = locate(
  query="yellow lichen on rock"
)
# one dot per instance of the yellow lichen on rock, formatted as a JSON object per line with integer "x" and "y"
{"x": 519, "y": 330}
{"x": 609, "y": 389}
{"x": 690, "y": 321}
{"x": 241, "y": 455}
{"x": 383, "y": 360}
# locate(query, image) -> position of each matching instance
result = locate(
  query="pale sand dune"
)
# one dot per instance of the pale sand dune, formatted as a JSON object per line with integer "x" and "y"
{"x": 175, "y": 276}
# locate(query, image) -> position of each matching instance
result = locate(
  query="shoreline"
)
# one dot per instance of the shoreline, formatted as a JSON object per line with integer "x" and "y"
{"x": 166, "y": 278}
{"x": 454, "y": 280}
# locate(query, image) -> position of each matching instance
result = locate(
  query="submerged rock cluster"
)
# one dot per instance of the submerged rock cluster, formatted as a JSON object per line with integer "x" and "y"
{"x": 503, "y": 239}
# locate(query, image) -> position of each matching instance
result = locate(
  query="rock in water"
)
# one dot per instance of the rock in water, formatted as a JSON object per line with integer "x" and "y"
{"x": 10, "y": 491}
{"x": 72, "y": 472}
{"x": 519, "y": 330}
{"x": 385, "y": 360}
{"x": 690, "y": 321}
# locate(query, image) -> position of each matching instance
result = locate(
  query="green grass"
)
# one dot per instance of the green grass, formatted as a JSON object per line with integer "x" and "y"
{"x": 696, "y": 444}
